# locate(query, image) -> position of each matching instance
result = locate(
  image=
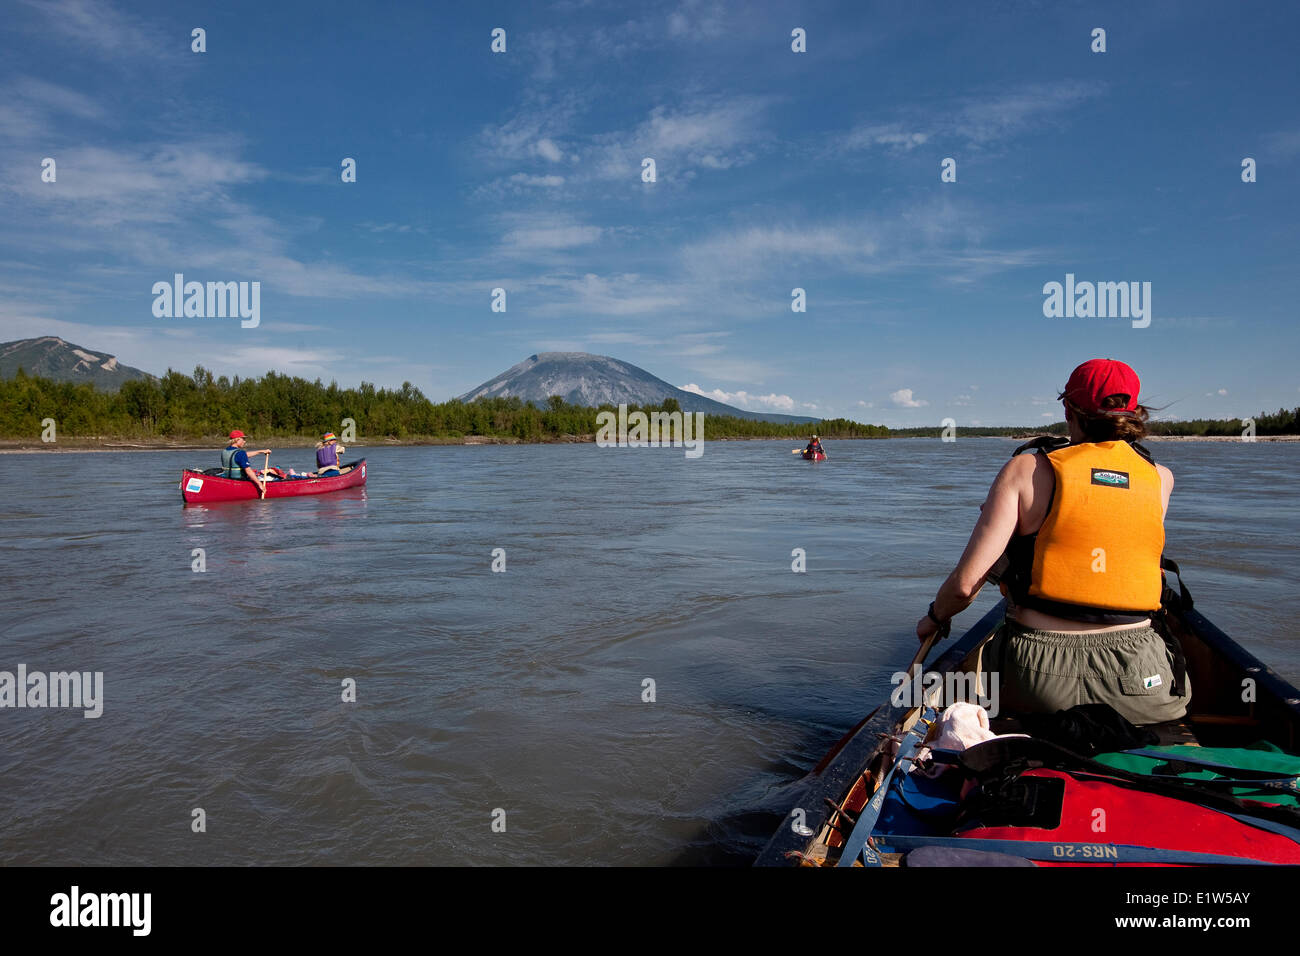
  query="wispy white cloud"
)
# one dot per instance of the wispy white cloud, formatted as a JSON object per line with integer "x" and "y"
{"x": 101, "y": 28}
{"x": 540, "y": 117}
{"x": 708, "y": 133}
{"x": 386, "y": 226}
{"x": 743, "y": 399}
{"x": 975, "y": 120}
{"x": 943, "y": 238}
{"x": 30, "y": 108}
{"x": 985, "y": 119}
{"x": 619, "y": 294}
{"x": 107, "y": 187}
{"x": 889, "y": 135}
{"x": 903, "y": 399}
{"x": 711, "y": 133}
{"x": 698, "y": 20}
{"x": 1282, "y": 145}
{"x": 554, "y": 237}
{"x": 687, "y": 23}
{"x": 517, "y": 184}
{"x": 547, "y": 149}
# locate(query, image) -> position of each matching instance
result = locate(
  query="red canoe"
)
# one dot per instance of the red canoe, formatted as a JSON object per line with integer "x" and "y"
{"x": 198, "y": 487}
{"x": 814, "y": 456}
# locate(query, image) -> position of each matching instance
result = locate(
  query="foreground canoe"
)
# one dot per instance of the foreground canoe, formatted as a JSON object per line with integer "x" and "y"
{"x": 826, "y": 804}
{"x": 199, "y": 487}
{"x": 814, "y": 456}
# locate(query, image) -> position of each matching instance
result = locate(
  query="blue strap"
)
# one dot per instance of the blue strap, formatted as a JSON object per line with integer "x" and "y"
{"x": 856, "y": 844}
{"x": 1078, "y": 852}
{"x": 1291, "y": 833}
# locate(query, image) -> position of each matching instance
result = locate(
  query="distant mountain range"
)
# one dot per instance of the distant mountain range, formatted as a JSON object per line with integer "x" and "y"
{"x": 581, "y": 378}
{"x": 51, "y": 357}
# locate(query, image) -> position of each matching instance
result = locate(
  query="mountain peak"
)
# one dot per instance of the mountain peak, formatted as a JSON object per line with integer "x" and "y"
{"x": 582, "y": 378}
{"x": 49, "y": 356}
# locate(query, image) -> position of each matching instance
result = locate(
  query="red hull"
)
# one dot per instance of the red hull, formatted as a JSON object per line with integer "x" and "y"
{"x": 819, "y": 457}
{"x": 198, "y": 488}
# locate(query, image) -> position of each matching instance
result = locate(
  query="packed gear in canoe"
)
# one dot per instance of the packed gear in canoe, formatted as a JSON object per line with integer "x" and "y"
{"x": 910, "y": 786}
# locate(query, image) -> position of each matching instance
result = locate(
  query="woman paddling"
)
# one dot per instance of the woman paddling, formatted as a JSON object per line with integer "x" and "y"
{"x": 1081, "y": 524}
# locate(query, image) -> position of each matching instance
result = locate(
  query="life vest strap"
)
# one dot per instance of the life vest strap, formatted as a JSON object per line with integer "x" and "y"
{"x": 1043, "y": 443}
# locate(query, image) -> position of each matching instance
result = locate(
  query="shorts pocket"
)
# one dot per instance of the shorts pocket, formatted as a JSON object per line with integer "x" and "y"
{"x": 1150, "y": 674}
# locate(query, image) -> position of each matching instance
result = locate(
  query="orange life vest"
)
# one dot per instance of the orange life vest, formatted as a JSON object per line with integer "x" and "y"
{"x": 1097, "y": 555}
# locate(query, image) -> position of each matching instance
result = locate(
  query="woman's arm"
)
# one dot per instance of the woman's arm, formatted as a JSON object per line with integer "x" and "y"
{"x": 999, "y": 516}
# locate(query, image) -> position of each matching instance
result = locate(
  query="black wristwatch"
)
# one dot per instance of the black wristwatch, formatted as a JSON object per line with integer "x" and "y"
{"x": 929, "y": 612}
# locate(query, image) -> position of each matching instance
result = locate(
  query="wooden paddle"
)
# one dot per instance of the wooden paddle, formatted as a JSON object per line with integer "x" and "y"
{"x": 919, "y": 660}
{"x": 265, "y": 469}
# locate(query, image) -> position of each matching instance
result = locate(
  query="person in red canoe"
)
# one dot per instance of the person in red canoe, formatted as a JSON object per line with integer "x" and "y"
{"x": 327, "y": 456}
{"x": 235, "y": 463}
{"x": 814, "y": 448}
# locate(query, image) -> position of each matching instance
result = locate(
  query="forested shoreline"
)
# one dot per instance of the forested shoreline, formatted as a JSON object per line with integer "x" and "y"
{"x": 196, "y": 407}
{"x": 199, "y": 407}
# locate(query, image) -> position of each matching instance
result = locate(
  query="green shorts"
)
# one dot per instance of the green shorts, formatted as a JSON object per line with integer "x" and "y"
{"x": 1047, "y": 671}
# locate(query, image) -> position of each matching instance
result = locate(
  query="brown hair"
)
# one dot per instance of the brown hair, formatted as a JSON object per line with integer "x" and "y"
{"x": 1131, "y": 426}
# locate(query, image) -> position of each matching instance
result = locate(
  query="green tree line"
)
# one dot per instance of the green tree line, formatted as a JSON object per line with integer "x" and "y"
{"x": 200, "y": 407}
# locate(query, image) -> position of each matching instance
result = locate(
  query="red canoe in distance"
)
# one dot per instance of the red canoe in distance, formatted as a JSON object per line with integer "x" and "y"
{"x": 200, "y": 488}
{"x": 814, "y": 456}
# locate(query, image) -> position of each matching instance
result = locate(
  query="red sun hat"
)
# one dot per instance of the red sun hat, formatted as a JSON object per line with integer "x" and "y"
{"x": 237, "y": 434}
{"x": 1098, "y": 379}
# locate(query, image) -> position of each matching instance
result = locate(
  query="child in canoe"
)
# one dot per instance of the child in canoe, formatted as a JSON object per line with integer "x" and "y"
{"x": 328, "y": 451}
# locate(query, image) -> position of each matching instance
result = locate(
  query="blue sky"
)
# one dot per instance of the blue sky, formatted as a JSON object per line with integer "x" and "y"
{"x": 775, "y": 170}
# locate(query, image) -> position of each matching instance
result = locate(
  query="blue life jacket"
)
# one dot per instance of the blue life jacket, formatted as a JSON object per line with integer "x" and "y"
{"x": 228, "y": 466}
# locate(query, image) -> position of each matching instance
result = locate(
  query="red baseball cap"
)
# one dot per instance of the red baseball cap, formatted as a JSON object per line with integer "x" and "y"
{"x": 237, "y": 434}
{"x": 1098, "y": 379}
